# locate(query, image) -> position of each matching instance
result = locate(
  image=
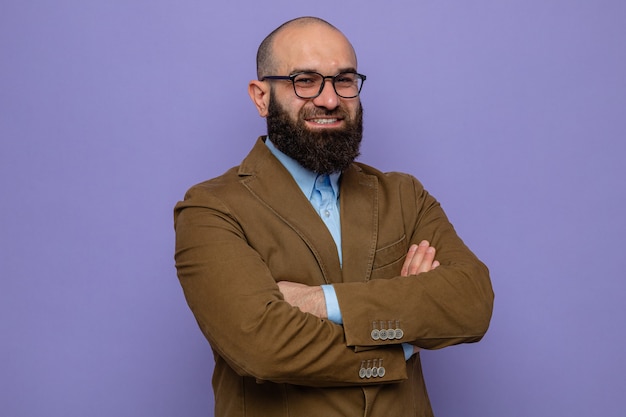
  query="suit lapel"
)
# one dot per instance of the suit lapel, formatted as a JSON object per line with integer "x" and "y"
{"x": 359, "y": 223}
{"x": 270, "y": 182}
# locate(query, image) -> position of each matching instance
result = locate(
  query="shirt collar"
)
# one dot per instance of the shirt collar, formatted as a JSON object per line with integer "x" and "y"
{"x": 303, "y": 177}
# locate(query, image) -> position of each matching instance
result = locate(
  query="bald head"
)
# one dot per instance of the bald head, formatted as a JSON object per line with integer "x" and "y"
{"x": 269, "y": 52}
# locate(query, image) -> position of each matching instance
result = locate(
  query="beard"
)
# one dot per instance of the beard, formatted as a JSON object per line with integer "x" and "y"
{"x": 324, "y": 151}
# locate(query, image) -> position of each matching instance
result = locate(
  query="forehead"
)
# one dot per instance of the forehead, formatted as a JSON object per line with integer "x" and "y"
{"x": 313, "y": 47}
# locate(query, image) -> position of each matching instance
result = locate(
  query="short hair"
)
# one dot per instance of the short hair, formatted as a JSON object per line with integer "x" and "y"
{"x": 265, "y": 63}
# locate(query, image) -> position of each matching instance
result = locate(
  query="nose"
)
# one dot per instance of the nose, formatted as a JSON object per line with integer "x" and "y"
{"x": 328, "y": 98}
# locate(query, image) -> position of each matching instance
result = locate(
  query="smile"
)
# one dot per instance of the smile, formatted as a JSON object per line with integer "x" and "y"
{"x": 324, "y": 121}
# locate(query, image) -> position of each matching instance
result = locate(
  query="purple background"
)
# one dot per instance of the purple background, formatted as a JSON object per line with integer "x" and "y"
{"x": 511, "y": 112}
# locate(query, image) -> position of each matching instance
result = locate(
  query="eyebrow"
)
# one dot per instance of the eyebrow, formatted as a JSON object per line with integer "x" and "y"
{"x": 297, "y": 70}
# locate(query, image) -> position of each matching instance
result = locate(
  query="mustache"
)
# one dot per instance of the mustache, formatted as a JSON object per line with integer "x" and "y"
{"x": 309, "y": 113}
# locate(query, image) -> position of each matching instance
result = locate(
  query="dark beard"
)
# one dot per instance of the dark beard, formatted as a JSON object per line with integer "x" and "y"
{"x": 325, "y": 151}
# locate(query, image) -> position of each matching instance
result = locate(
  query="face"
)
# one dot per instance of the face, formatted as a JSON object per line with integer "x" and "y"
{"x": 323, "y": 133}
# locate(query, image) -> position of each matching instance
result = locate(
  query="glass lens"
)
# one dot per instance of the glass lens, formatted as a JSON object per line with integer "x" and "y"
{"x": 308, "y": 84}
{"x": 347, "y": 84}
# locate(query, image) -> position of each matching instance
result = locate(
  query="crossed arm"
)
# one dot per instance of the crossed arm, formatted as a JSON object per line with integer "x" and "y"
{"x": 310, "y": 299}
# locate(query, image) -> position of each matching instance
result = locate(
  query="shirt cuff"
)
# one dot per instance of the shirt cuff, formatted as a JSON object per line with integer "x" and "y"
{"x": 332, "y": 304}
{"x": 408, "y": 351}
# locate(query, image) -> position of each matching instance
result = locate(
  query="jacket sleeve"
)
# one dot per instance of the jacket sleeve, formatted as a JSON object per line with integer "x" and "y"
{"x": 242, "y": 313}
{"x": 449, "y": 305}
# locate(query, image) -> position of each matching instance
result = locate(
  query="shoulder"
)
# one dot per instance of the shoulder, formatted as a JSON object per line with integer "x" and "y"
{"x": 392, "y": 179}
{"x": 215, "y": 185}
{"x": 212, "y": 194}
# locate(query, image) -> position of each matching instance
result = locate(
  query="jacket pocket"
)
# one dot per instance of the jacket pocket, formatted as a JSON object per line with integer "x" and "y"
{"x": 388, "y": 259}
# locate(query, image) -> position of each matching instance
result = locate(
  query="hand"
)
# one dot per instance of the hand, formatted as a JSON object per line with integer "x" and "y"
{"x": 420, "y": 258}
{"x": 306, "y": 298}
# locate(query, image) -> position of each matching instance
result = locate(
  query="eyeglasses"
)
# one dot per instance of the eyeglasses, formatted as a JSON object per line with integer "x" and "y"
{"x": 311, "y": 84}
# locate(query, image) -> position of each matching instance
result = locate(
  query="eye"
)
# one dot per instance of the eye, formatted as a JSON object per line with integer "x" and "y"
{"x": 345, "y": 79}
{"x": 307, "y": 80}
{"x": 304, "y": 80}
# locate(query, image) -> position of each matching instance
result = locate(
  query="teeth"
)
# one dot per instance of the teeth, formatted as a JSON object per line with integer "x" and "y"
{"x": 324, "y": 121}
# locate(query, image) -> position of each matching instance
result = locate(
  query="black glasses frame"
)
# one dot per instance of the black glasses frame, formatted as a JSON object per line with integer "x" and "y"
{"x": 292, "y": 78}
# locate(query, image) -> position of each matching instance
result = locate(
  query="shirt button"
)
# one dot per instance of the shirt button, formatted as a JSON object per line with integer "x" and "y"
{"x": 326, "y": 213}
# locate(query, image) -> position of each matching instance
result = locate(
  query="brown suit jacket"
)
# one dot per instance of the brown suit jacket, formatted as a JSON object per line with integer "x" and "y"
{"x": 240, "y": 233}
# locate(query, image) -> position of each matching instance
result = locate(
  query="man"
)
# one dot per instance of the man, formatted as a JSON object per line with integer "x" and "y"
{"x": 312, "y": 276}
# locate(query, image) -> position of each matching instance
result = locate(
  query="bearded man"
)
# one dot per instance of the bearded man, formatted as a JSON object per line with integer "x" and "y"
{"x": 317, "y": 279}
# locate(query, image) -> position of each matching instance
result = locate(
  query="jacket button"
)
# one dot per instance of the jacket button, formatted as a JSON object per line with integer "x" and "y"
{"x": 381, "y": 369}
{"x": 383, "y": 334}
{"x": 362, "y": 371}
{"x": 399, "y": 331}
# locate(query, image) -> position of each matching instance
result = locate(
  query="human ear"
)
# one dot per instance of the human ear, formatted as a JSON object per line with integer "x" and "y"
{"x": 260, "y": 95}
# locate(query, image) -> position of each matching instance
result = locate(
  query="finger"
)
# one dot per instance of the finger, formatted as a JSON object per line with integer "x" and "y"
{"x": 427, "y": 260}
{"x": 407, "y": 262}
{"x": 418, "y": 257}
